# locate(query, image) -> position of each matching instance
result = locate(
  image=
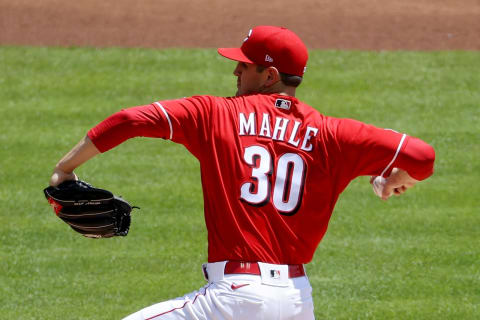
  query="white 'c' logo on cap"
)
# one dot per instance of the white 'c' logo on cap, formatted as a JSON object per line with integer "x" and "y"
{"x": 249, "y": 34}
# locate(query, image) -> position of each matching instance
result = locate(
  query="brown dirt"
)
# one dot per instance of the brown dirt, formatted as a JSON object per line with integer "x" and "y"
{"x": 325, "y": 24}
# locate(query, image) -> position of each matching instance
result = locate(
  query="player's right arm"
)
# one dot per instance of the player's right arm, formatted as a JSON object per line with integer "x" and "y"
{"x": 367, "y": 150}
{"x": 398, "y": 182}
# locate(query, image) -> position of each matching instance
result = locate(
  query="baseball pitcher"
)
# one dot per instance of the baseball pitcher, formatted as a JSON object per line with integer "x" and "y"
{"x": 272, "y": 169}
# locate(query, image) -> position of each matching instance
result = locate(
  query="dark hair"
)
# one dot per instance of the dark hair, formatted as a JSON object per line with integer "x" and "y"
{"x": 287, "y": 79}
{"x": 290, "y": 80}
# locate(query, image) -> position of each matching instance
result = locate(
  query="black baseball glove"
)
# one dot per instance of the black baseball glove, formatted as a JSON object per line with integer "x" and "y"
{"x": 95, "y": 213}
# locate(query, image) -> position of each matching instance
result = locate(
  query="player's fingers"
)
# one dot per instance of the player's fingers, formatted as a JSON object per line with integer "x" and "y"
{"x": 400, "y": 190}
{"x": 59, "y": 176}
{"x": 54, "y": 180}
{"x": 387, "y": 191}
{"x": 410, "y": 185}
{"x": 372, "y": 178}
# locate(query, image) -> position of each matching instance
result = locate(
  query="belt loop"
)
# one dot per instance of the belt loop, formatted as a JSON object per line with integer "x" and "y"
{"x": 215, "y": 271}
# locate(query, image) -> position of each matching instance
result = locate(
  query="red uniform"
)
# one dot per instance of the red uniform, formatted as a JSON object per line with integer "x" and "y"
{"x": 272, "y": 167}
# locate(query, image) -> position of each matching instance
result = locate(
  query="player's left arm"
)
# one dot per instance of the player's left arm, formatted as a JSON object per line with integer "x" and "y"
{"x": 82, "y": 152}
{"x": 115, "y": 129}
{"x": 176, "y": 120}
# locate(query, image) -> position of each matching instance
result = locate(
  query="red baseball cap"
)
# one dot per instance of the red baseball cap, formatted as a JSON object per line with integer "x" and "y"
{"x": 271, "y": 46}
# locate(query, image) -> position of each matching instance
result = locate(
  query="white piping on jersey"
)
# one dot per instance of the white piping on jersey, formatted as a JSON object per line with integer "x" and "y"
{"x": 168, "y": 118}
{"x": 396, "y": 154}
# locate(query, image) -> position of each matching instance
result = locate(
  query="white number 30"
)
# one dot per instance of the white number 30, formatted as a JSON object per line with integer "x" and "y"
{"x": 288, "y": 185}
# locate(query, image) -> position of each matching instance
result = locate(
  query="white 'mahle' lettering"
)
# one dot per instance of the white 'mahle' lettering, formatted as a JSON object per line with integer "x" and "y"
{"x": 294, "y": 133}
{"x": 247, "y": 127}
{"x": 280, "y": 127}
{"x": 265, "y": 128}
{"x": 308, "y": 135}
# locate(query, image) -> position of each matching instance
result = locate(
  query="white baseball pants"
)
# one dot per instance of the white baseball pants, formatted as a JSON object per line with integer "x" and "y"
{"x": 272, "y": 295}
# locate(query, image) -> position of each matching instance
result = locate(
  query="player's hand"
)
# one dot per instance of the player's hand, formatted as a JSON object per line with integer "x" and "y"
{"x": 397, "y": 183}
{"x": 60, "y": 176}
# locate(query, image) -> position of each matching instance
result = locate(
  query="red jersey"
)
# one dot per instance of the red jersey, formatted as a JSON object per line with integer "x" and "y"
{"x": 272, "y": 167}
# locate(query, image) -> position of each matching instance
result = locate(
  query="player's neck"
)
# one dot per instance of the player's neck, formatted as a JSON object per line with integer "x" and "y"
{"x": 281, "y": 89}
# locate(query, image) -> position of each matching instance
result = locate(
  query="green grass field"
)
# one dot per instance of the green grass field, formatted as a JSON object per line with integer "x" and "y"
{"x": 413, "y": 257}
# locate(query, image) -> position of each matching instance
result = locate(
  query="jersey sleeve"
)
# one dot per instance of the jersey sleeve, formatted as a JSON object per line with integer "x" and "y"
{"x": 189, "y": 121}
{"x": 367, "y": 150}
{"x": 140, "y": 121}
{"x": 183, "y": 121}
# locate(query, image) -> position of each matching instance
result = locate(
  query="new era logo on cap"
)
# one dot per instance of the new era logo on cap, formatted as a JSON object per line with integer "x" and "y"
{"x": 268, "y": 58}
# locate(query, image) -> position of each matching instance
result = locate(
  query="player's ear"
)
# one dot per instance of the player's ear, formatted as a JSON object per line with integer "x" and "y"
{"x": 273, "y": 76}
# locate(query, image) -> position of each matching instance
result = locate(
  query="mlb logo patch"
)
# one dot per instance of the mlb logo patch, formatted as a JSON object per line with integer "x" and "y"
{"x": 275, "y": 274}
{"x": 283, "y": 104}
